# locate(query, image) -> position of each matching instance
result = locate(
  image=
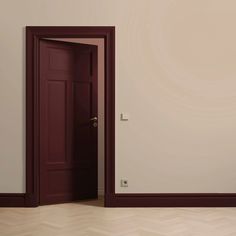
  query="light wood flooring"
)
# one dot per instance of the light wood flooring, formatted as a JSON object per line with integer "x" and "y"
{"x": 90, "y": 218}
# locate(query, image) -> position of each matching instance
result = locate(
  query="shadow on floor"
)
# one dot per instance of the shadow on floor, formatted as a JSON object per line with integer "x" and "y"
{"x": 93, "y": 202}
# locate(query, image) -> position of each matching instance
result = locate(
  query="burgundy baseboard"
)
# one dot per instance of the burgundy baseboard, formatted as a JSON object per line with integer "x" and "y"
{"x": 12, "y": 200}
{"x": 171, "y": 200}
{"x": 142, "y": 200}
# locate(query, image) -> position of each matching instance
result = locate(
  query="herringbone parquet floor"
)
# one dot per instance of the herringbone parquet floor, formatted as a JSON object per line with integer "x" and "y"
{"x": 91, "y": 219}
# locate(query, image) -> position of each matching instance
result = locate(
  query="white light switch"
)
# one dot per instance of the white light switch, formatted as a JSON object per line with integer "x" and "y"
{"x": 124, "y": 116}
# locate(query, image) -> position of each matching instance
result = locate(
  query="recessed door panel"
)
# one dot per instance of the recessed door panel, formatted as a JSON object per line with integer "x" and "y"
{"x": 82, "y": 115}
{"x": 60, "y": 59}
{"x": 84, "y": 64}
{"x": 57, "y": 117}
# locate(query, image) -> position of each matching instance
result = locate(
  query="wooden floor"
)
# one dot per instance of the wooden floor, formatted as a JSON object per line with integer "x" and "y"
{"x": 90, "y": 218}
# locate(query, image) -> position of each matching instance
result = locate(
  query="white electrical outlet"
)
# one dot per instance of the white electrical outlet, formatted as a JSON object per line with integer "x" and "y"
{"x": 124, "y": 183}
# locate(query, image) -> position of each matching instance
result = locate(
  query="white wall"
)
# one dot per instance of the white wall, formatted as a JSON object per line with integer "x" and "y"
{"x": 175, "y": 76}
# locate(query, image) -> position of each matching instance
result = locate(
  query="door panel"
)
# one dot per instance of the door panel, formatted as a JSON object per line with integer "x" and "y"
{"x": 56, "y": 121}
{"x": 82, "y": 117}
{"x": 85, "y": 63}
{"x": 85, "y": 92}
{"x": 68, "y": 139}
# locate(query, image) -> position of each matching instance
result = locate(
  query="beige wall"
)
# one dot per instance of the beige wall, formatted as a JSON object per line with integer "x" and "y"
{"x": 175, "y": 77}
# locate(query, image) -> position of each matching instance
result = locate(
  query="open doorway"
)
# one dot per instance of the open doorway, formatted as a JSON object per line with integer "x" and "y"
{"x": 99, "y": 43}
{"x": 70, "y": 150}
{"x": 71, "y": 119}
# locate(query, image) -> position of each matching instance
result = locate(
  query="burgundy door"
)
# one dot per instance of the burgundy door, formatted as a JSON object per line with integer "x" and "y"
{"x": 68, "y": 125}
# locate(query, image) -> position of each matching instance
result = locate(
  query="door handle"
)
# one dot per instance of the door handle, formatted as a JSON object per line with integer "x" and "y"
{"x": 94, "y": 118}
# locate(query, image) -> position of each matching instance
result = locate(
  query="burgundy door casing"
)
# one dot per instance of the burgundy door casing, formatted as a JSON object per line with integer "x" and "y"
{"x": 33, "y": 36}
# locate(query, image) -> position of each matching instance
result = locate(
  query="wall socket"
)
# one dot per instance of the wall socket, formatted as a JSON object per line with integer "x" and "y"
{"x": 124, "y": 183}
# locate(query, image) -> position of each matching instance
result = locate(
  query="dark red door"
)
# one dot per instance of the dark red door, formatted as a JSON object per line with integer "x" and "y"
{"x": 68, "y": 122}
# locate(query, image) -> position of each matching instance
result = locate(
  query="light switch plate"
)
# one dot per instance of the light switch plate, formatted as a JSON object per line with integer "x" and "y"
{"x": 124, "y": 116}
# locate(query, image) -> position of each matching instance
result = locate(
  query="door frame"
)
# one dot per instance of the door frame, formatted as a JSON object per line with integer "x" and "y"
{"x": 33, "y": 36}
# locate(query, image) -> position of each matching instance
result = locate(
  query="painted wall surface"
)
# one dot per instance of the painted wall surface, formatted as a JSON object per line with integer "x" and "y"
{"x": 175, "y": 77}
